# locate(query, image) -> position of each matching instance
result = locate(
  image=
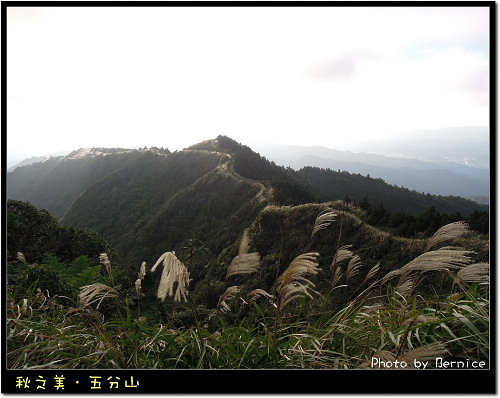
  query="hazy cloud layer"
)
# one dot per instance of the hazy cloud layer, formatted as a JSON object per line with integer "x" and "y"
{"x": 135, "y": 76}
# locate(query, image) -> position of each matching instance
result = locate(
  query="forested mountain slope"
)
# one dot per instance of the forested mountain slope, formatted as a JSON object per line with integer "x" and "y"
{"x": 145, "y": 202}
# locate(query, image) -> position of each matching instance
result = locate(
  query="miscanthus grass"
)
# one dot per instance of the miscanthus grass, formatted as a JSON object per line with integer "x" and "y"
{"x": 436, "y": 305}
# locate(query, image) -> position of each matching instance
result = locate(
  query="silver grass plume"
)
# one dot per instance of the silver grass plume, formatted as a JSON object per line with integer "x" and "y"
{"x": 141, "y": 275}
{"x": 138, "y": 286}
{"x": 244, "y": 262}
{"x": 229, "y": 293}
{"x": 337, "y": 275}
{"x": 257, "y": 293}
{"x": 20, "y": 257}
{"x": 479, "y": 272}
{"x": 353, "y": 267}
{"x": 324, "y": 219}
{"x": 342, "y": 254}
{"x": 292, "y": 283}
{"x": 103, "y": 258}
{"x": 174, "y": 272}
{"x": 373, "y": 271}
{"x": 89, "y": 294}
{"x": 438, "y": 260}
{"x": 390, "y": 275}
{"x": 142, "y": 271}
{"x": 447, "y": 232}
{"x": 406, "y": 285}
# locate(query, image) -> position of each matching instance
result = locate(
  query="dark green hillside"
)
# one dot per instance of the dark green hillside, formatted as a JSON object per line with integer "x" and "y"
{"x": 333, "y": 185}
{"x": 54, "y": 184}
{"x": 120, "y": 205}
{"x": 281, "y": 233}
{"x": 145, "y": 202}
{"x": 36, "y": 233}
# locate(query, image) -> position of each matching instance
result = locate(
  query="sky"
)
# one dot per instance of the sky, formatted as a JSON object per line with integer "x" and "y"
{"x": 174, "y": 76}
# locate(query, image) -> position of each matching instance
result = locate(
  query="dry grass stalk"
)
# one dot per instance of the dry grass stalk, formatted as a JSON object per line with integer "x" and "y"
{"x": 20, "y": 257}
{"x": 138, "y": 286}
{"x": 342, "y": 254}
{"x": 174, "y": 273}
{"x": 438, "y": 260}
{"x": 244, "y": 262}
{"x": 425, "y": 353}
{"x": 292, "y": 283}
{"x": 390, "y": 275}
{"x": 373, "y": 271}
{"x": 89, "y": 294}
{"x": 324, "y": 219}
{"x": 420, "y": 319}
{"x": 103, "y": 258}
{"x": 228, "y": 294}
{"x": 141, "y": 275}
{"x": 448, "y": 232}
{"x": 142, "y": 271}
{"x": 479, "y": 272}
{"x": 353, "y": 267}
{"x": 337, "y": 274}
{"x": 406, "y": 285}
{"x": 384, "y": 355}
{"x": 257, "y": 293}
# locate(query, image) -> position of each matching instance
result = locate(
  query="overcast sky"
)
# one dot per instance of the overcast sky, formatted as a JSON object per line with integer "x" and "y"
{"x": 171, "y": 77}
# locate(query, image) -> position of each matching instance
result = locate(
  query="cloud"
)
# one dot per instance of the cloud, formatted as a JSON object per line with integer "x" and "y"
{"x": 342, "y": 67}
{"x": 158, "y": 76}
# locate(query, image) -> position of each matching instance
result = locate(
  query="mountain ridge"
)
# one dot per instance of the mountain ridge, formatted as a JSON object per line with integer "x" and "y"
{"x": 149, "y": 201}
{"x": 423, "y": 176}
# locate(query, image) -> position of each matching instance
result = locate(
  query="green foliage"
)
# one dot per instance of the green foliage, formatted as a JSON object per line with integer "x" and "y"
{"x": 36, "y": 233}
{"x": 197, "y": 203}
{"x": 381, "y": 317}
{"x": 147, "y": 201}
{"x": 332, "y": 185}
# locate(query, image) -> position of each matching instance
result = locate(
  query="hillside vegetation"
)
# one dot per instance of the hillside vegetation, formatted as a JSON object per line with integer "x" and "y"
{"x": 215, "y": 258}
{"x": 147, "y": 201}
{"x": 309, "y": 286}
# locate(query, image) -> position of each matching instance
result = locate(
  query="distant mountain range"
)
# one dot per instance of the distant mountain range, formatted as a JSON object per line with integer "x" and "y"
{"x": 445, "y": 178}
{"x": 468, "y": 146}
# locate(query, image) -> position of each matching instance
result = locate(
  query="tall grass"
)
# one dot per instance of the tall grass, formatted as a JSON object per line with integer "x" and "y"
{"x": 436, "y": 305}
